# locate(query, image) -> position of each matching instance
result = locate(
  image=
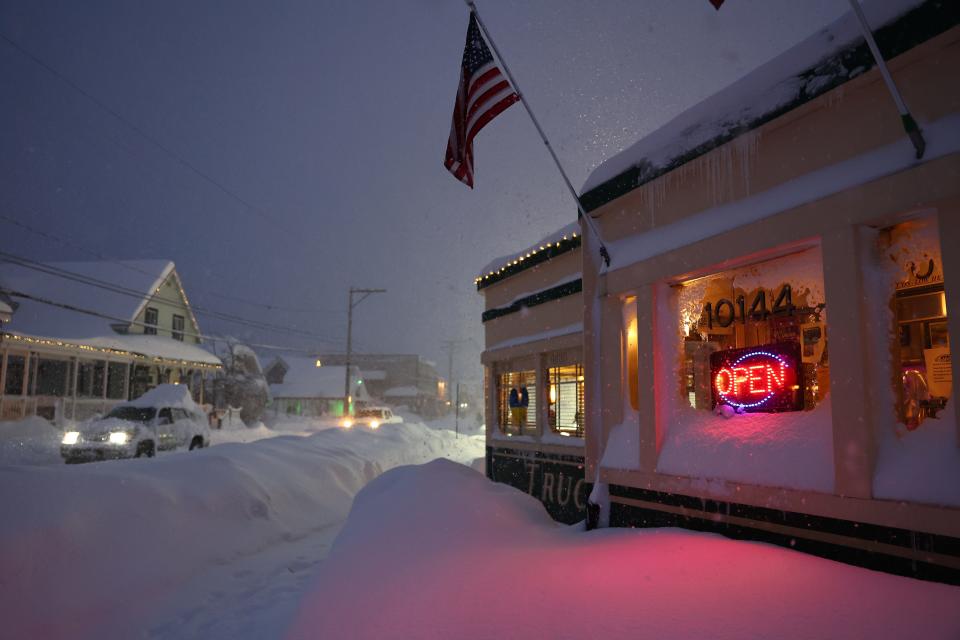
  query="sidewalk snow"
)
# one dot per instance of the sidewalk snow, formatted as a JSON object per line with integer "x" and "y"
{"x": 32, "y": 441}
{"x": 87, "y": 550}
{"x": 438, "y": 551}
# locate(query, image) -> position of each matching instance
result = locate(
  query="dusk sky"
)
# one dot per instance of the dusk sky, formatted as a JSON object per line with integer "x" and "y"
{"x": 331, "y": 119}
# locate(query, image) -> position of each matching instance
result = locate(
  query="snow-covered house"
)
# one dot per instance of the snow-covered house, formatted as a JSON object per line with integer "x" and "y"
{"x": 85, "y": 335}
{"x": 533, "y": 340}
{"x": 768, "y": 355}
{"x": 304, "y": 386}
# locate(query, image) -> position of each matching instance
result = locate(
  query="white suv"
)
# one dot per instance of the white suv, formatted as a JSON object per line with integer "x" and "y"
{"x": 138, "y": 428}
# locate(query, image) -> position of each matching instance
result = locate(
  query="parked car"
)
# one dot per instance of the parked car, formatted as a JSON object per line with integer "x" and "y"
{"x": 371, "y": 417}
{"x": 163, "y": 419}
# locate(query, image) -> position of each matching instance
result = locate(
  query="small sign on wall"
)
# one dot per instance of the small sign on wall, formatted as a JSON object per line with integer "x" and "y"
{"x": 767, "y": 378}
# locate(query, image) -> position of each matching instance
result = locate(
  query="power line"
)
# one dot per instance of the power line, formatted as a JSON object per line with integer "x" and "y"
{"x": 133, "y": 293}
{"x": 143, "y": 134}
{"x": 96, "y": 254}
{"x": 105, "y": 316}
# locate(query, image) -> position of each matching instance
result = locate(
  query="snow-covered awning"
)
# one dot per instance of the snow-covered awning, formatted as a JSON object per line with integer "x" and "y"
{"x": 560, "y": 241}
{"x": 153, "y": 349}
{"x": 824, "y": 61}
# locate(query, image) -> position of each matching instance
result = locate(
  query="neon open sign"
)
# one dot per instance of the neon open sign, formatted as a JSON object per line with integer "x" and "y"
{"x": 767, "y": 378}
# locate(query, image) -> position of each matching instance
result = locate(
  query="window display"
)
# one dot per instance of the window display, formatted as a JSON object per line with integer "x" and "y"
{"x": 565, "y": 408}
{"x": 517, "y": 402}
{"x": 754, "y": 337}
{"x": 921, "y": 351}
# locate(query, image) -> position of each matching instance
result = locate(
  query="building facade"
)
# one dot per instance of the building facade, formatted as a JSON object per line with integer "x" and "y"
{"x": 534, "y": 373}
{"x": 771, "y": 347}
{"x": 73, "y": 348}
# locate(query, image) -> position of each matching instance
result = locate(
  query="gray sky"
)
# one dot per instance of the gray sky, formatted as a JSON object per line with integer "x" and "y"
{"x": 331, "y": 117}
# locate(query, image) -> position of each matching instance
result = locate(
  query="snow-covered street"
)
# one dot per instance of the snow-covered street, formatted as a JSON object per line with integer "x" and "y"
{"x": 187, "y": 544}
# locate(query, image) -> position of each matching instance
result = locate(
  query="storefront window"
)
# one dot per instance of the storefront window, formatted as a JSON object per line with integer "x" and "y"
{"x": 565, "y": 397}
{"x": 921, "y": 351}
{"x": 52, "y": 377}
{"x": 632, "y": 354}
{"x": 754, "y": 337}
{"x": 116, "y": 375}
{"x": 13, "y": 384}
{"x": 517, "y": 402}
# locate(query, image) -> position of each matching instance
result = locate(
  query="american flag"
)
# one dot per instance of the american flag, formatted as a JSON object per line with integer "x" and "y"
{"x": 482, "y": 95}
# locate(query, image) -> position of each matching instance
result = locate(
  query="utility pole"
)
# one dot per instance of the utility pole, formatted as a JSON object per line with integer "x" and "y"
{"x": 350, "y": 305}
{"x": 450, "y": 346}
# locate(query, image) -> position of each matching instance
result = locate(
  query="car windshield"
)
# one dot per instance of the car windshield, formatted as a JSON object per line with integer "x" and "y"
{"x": 133, "y": 414}
{"x": 370, "y": 413}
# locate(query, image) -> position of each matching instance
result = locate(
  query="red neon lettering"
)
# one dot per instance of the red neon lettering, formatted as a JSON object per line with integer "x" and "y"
{"x": 740, "y": 376}
{"x": 754, "y": 377}
{"x": 727, "y": 387}
{"x": 773, "y": 380}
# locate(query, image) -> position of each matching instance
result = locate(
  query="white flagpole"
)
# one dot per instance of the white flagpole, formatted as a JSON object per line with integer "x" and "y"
{"x": 909, "y": 124}
{"x": 583, "y": 214}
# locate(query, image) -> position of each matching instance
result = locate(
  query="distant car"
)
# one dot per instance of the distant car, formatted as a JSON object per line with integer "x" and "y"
{"x": 371, "y": 417}
{"x": 158, "y": 422}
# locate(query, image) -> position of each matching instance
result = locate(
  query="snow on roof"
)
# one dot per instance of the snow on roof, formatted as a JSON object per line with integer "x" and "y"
{"x": 35, "y": 318}
{"x": 166, "y": 395}
{"x": 304, "y": 379}
{"x": 149, "y": 347}
{"x": 812, "y": 67}
{"x": 560, "y": 241}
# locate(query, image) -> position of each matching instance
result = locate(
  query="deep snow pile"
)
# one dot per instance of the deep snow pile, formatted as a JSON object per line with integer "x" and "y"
{"x": 89, "y": 549}
{"x": 30, "y": 441}
{"x": 793, "y": 449}
{"x": 437, "y": 551}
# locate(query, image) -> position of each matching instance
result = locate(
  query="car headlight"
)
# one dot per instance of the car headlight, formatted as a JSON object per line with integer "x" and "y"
{"x": 346, "y": 424}
{"x": 71, "y": 437}
{"x": 119, "y": 437}
{"x": 374, "y": 424}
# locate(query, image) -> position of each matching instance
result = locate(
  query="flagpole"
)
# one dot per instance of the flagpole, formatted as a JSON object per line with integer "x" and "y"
{"x": 909, "y": 124}
{"x": 583, "y": 214}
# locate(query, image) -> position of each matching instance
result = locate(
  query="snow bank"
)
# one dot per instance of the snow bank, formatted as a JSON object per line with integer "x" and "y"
{"x": 793, "y": 449}
{"x": 438, "y": 551}
{"x": 30, "y": 441}
{"x": 86, "y": 551}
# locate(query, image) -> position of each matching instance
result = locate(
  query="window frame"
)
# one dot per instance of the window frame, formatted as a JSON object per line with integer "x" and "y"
{"x": 150, "y": 328}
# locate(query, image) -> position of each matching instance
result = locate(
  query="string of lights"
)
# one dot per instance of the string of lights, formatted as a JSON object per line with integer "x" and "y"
{"x": 106, "y": 316}
{"x": 529, "y": 259}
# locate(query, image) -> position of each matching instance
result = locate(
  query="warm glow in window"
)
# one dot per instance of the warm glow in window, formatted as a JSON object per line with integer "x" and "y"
{"x": 517, "y": 402}
{"x": 754, "y": 338}
{"x": 923, "y": 378}
{"x": 632, "y": 354}
{"x": 566, "y": 399}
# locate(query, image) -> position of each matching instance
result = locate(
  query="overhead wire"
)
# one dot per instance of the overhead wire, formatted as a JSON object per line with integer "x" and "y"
{"x": 133, "y": 293}
{"x": 130, "y": 267}
{"x": 142, "y": 133}
{"x": 70, "y": 307}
